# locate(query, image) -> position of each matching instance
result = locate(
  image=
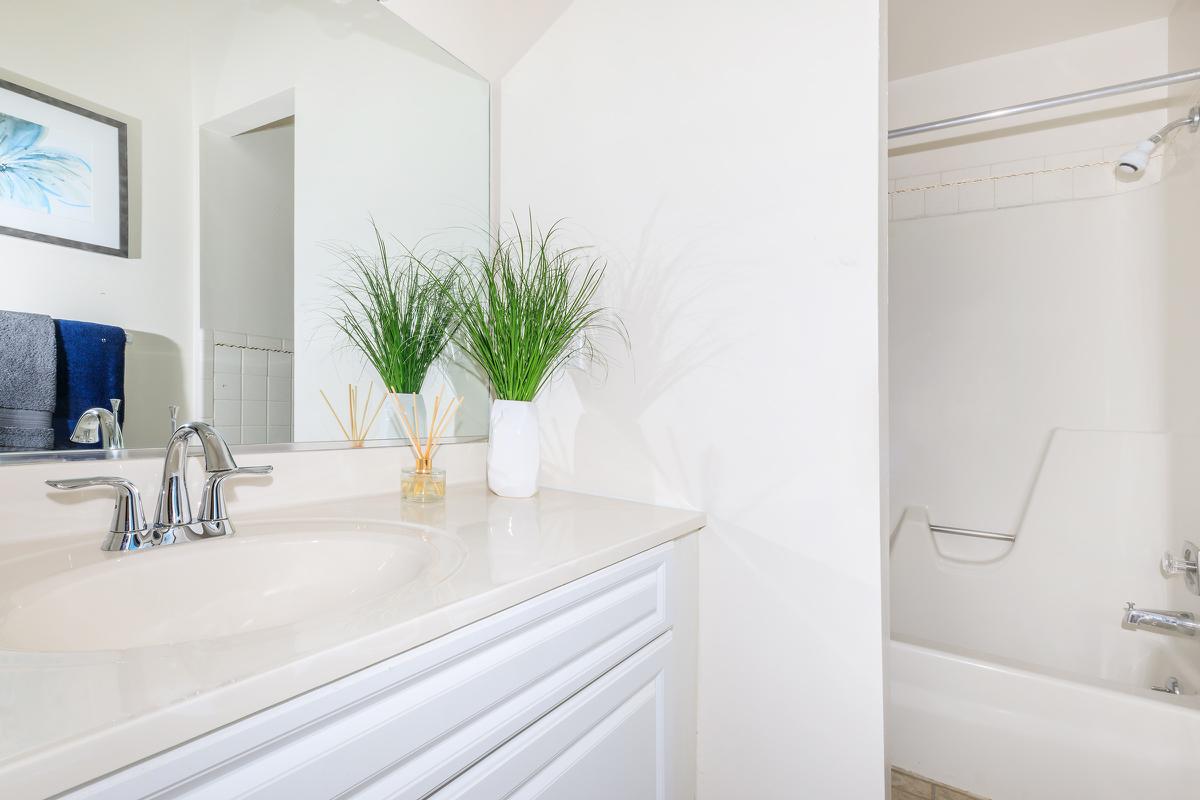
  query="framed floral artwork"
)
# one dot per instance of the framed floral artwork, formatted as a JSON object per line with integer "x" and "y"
{"x": 64, "y": 173}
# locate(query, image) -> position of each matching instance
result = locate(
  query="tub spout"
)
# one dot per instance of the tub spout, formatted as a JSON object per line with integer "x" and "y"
{"x": 1178, "y": 622}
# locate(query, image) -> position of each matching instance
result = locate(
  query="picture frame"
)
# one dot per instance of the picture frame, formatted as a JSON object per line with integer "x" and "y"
{"x": 64, "y": 173}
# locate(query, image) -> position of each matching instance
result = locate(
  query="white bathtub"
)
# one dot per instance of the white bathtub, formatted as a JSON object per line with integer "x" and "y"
{"x": 1009, "y": 733}
{"x": 1011, "y": 674}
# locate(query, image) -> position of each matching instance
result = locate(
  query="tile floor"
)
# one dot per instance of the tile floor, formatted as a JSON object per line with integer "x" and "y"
{"x": 908, "y": 786}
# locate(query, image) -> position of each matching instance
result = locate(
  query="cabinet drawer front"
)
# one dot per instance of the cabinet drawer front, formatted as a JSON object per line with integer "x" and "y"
{"x": 569, "y": 754}
{"x": 419, "y": 718}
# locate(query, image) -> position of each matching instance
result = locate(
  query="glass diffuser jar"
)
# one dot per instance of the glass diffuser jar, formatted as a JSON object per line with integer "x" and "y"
{"x": 422, "y": 483}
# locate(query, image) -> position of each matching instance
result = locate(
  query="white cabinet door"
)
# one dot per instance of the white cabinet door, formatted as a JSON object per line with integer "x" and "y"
{"x": 609, "y": 741}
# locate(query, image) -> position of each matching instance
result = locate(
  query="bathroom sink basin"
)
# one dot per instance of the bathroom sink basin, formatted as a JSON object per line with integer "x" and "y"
{"x": 264, "y": 577}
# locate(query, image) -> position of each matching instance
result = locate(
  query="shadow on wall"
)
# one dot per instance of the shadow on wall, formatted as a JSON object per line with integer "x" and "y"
{"x": 667, "y": 302}
{"x": 153, "y": 381}
{"x": 653, "y": 295}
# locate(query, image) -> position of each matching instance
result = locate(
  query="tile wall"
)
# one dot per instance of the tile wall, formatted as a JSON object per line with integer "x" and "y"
{"x": 247, "y": 386}
{"x": 1048, "y": 179}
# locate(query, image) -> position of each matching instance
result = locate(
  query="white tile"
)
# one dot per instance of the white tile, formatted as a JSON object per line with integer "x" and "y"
{"x": 279, "y": 434}
{"x": 891, "y": 186}
{"x": 1094, "y": 181}
{"x": 254, "y": 434}
{"x": 1074, "y": 159}
{"x": 1049, "y": 187}
{"x": 1018, "y": 167}
{"x": 227, "y": 387}
{"x": 207, "y": 396}
{"x": 289, "y": 345}
{"x": 1014, "y": 191}
{"x": 279, "y": 390}
{"x": 254, "y": 362}
{"x": 968, "y": 174}
{"x": 908, "y": 205}
{"x": 231, "y": 433}
{"x": 254, "y": 387}
{"x": 279, "y": 364}
{"x": 1116, "y": 151}
{"x": 918, "y": 181}
{"x": 264, "y": 341}
{"x": 977, "y": 196}
{"x": 942, "y": 200}
{"x": 254, "y": 412}
{"x": 279, "y": 414}
{"x": 227, "y": 413}
{"x": 226, "y": 337}
{"x": 227, "y": 359}
{"x": 206, "y": 336}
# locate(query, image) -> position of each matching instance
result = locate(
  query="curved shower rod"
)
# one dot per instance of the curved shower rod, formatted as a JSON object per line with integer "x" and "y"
{"x": 1050, "y": 102}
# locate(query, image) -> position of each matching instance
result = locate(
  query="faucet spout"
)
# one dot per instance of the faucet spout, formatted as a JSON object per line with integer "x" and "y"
{"x": 173, "y": 514}
{"x": 99, "y": 425}
{"x": 1177, "y": 622}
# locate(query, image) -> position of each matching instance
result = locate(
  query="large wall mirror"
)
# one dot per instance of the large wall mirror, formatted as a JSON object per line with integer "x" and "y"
{"x": 179, "y": 183}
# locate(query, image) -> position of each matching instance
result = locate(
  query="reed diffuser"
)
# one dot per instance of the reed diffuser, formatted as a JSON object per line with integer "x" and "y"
{"x": 421, "y": 483}
{"x": 354, "y": 428}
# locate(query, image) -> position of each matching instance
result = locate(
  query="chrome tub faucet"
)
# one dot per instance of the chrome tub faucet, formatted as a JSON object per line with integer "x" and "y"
{"x": 1182, "y": 623}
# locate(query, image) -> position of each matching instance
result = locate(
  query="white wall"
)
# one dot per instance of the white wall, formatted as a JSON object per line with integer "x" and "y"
{"x": 1008, "y": 322}
{"x": 124, "y": 60}
{"x": 387, "y": 125}
{"x": 247, "y": 233}
{"x": 678, "y": 138}
{"x": 1125, "y": 54}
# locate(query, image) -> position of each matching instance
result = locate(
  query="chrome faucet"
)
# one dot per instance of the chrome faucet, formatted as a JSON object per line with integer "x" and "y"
{"x": 173, "y": 518}
{"x": 100, "y": 424}
{"x": 1180, "y": 622}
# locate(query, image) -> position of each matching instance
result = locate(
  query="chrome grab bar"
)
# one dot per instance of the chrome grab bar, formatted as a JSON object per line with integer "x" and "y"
{"x": 1003, "y": 537}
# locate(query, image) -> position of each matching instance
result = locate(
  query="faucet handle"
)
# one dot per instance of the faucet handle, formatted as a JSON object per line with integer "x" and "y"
{"x": 214, "y": 518}
{"x": 128, "y": 521}
{"x": 1186, "y": 566}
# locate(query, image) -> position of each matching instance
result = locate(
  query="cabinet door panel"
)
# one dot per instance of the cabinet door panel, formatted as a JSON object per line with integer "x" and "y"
{"x": 608, "y": 741}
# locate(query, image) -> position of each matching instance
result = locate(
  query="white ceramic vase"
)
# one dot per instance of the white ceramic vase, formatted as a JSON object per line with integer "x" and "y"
{"x": 514, "y": 454}
{"x": 406, "y": 402}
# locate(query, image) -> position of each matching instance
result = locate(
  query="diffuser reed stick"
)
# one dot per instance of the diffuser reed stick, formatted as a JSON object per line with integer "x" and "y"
{"x": 353, "y": 429}
{"x": 438, "y": 422}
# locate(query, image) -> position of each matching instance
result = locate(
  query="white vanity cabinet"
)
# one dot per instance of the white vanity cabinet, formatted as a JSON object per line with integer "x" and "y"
{"x": 584, "y": 691}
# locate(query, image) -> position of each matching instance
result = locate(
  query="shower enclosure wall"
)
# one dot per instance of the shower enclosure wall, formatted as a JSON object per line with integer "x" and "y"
{"x": 1044, "y": 341}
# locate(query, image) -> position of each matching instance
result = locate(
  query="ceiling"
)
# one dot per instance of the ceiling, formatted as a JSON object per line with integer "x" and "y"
{"x": 924, "y": 35}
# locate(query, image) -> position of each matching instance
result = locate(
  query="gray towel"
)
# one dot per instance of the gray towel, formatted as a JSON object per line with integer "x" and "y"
{"x": 28, "y": 372}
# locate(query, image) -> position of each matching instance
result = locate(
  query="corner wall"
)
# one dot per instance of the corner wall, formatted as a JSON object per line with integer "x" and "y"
{"x": 679, "y": 138}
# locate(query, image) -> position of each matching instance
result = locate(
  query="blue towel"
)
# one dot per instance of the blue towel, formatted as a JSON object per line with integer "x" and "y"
{"x": 91, "y": 371}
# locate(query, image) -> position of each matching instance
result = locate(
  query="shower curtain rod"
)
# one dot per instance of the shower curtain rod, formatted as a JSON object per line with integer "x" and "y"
{"x": 1051, "y": 102}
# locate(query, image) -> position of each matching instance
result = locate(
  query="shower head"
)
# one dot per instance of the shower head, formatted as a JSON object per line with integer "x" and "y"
{"x": 1136, "y": 160}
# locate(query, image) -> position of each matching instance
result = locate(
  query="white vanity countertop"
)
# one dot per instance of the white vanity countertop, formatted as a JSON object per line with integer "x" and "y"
{"x": 69, "y": 717}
